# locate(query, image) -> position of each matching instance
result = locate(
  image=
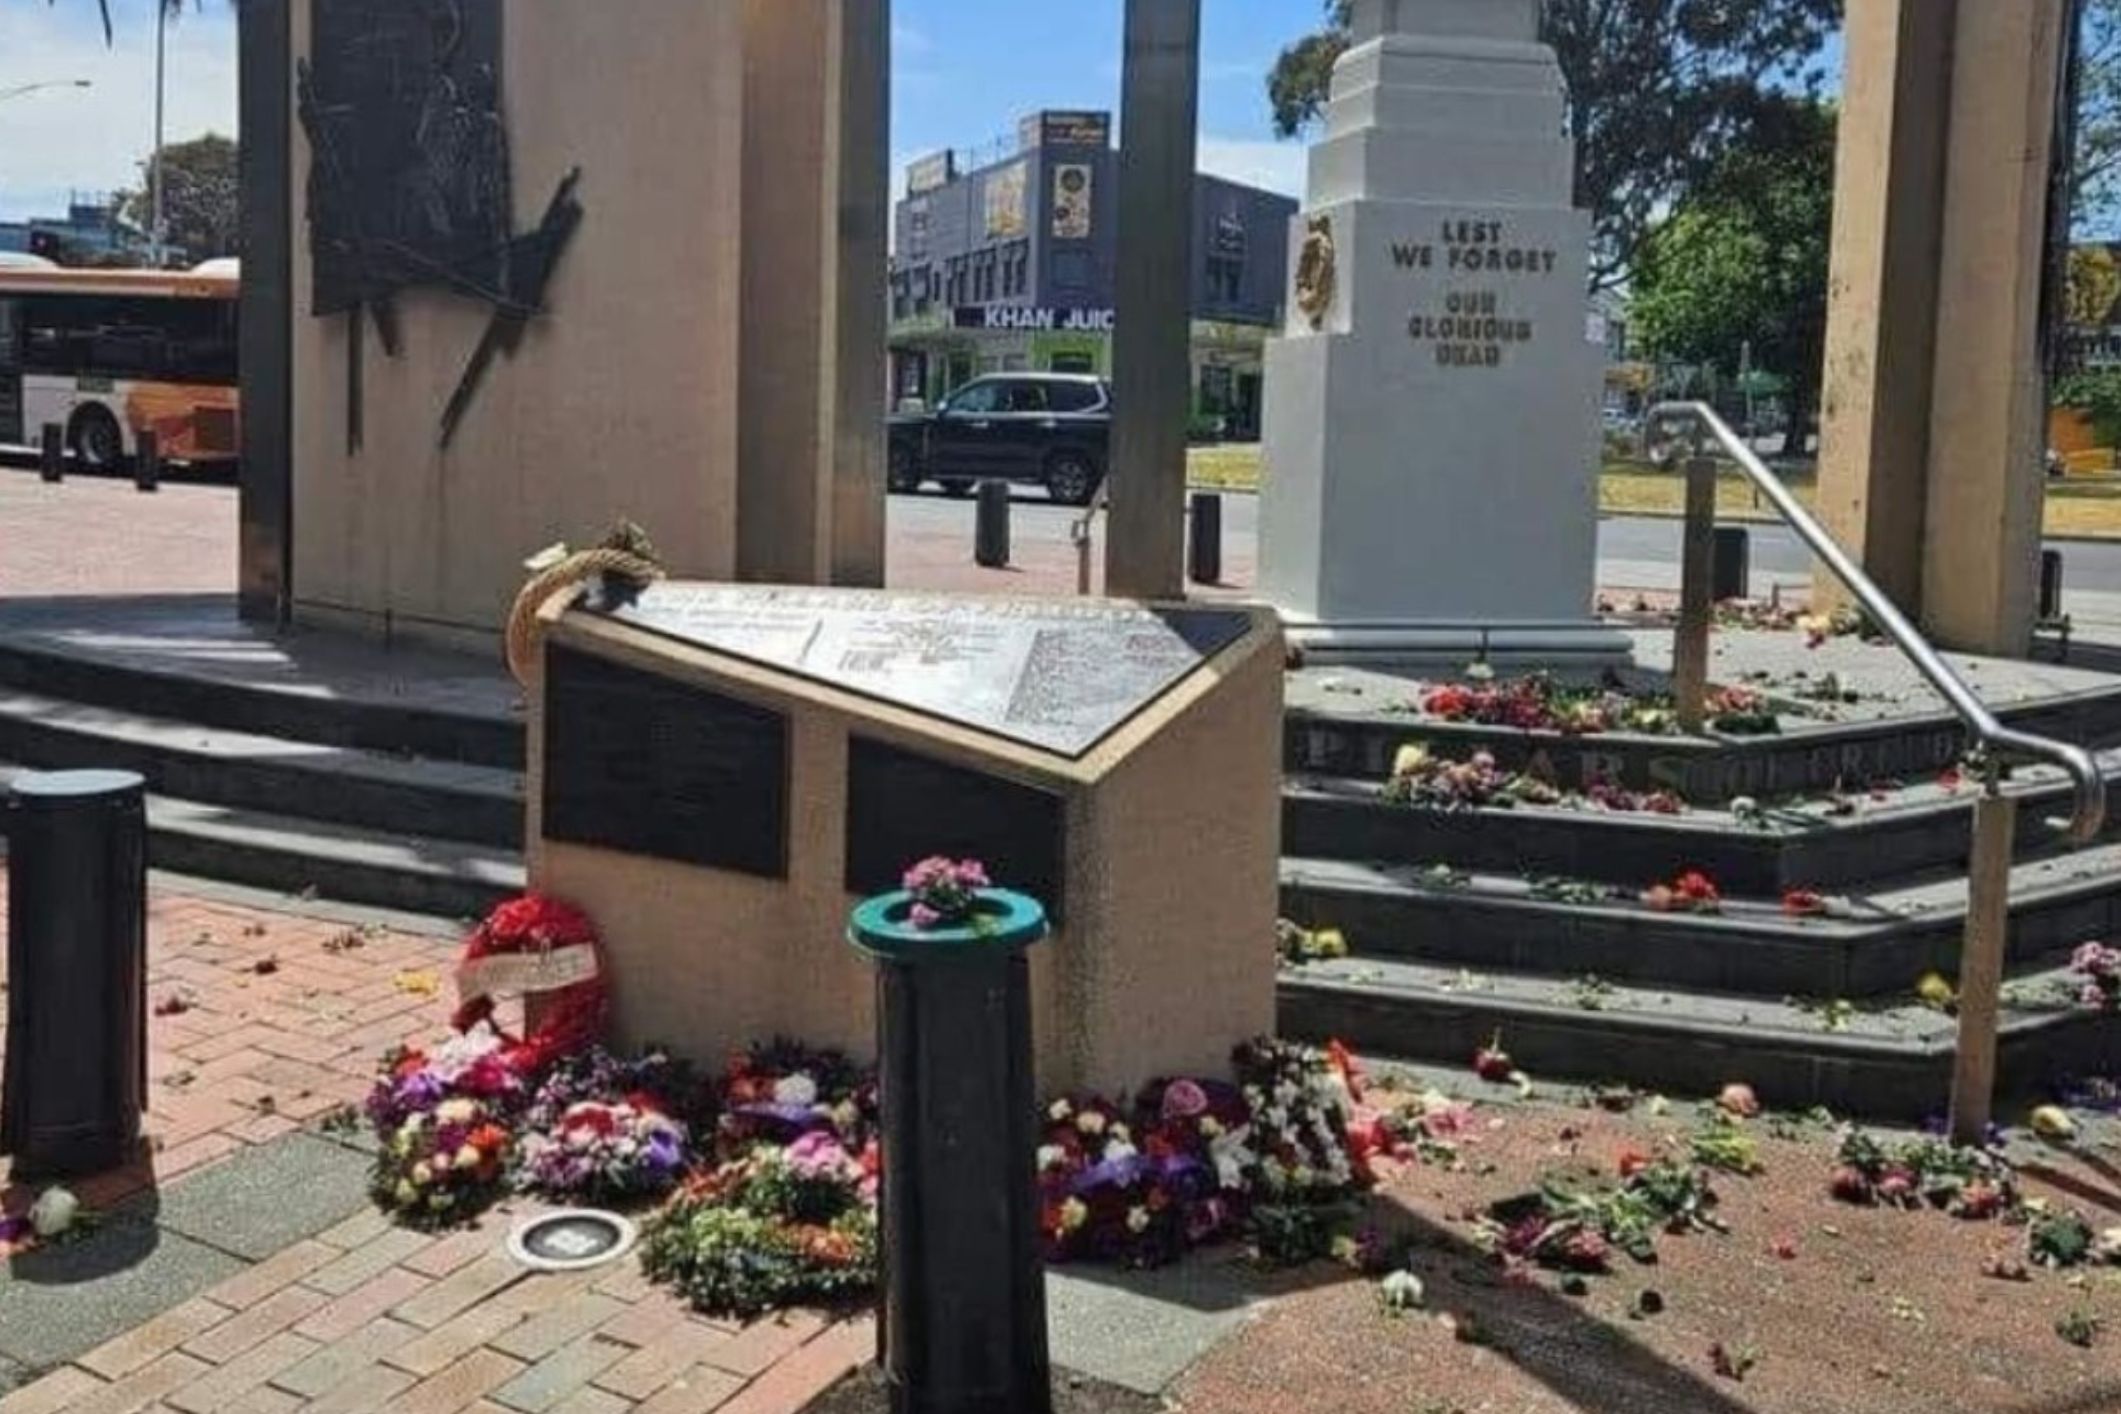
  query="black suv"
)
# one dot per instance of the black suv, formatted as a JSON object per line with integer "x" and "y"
{"x": 1051, "y": 429}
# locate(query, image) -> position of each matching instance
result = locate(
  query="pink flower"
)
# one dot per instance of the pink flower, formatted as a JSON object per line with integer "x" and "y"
{"x": 925, "y": 917}
{"x": 1183, "y": 1099}
{"x": 972, "y": 874}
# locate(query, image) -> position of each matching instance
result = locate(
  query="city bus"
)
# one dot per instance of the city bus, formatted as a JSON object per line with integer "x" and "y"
{"x": 107, "y": 354}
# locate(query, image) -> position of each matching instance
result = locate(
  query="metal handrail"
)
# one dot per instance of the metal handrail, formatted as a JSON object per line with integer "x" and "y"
{"x": 2089, "y": 814}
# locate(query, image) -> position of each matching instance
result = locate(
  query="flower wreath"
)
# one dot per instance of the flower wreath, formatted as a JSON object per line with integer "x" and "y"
{"x": 546, "y": 952}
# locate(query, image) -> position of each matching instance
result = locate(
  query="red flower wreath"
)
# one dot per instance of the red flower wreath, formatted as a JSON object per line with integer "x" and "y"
{"x": 547, "y": 952}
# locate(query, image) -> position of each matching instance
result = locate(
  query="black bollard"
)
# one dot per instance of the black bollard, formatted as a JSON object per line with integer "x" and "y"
{"x": 54, "y": 448}
{"x": 990, "y": 535}
{"x": 1732, "y": 577}
{"x": 964, "y": 1323}
{"x": 2050, "y": 585}
{"x": 147, "y": 461}
{"x": 75, "y": 1077}
{"x": 1206, "y": 543}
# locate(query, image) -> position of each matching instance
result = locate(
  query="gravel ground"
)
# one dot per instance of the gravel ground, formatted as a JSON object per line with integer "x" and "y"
{"x": 1877, "y": 1311}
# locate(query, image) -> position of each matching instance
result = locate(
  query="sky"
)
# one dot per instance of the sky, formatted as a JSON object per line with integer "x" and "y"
{"x": 963, "y": 72}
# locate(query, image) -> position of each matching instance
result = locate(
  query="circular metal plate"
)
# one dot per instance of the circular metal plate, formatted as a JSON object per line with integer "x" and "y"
{"x": 573, "y": 1240}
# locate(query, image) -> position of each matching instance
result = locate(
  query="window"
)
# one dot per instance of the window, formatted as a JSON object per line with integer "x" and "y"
{"x": 982, "y": 397}
{"x": 1027, "y": 396}
{"x": 1226, "y": 279}
{"x": 121, "y": 336}
{"x": 1071, "y": 269}
{"x": 1073, "y": 397}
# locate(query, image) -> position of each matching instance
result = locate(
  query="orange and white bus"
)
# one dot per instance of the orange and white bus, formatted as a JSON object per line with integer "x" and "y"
{"x": 107, "y": 354}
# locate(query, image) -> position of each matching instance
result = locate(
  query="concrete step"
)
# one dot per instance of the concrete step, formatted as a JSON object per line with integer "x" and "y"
{"x": 407, "y": 872}
{"x": 219, "y": 696}
{"x": 1878, "y": 945}
{"x": 1809, "y": 843}
{"x": 389, "y": 793}
{"x": 1886, "y": 1064}
{"x": 1355, "y": 731}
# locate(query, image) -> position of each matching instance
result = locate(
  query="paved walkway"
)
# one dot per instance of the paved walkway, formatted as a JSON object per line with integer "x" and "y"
{"x": 237, "y": 1267}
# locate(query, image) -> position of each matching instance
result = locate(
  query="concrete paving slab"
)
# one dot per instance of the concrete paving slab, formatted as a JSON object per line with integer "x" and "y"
{"x": 1142, "y": 1330}
{"x": 269, "y": 1197}
{"x": 60, "y": 1302}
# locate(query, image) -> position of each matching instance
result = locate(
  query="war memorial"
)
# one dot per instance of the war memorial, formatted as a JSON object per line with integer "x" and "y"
{"x": 846, "y": 947}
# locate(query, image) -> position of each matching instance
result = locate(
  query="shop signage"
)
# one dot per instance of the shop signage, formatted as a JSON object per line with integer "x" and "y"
{"x": 1035, "y": 319}
{"x": 1066, "y": 129}
{"x": 1005, "y": 202}
{"x": 936, "y": 170}
{"x": 1072, "y": 183}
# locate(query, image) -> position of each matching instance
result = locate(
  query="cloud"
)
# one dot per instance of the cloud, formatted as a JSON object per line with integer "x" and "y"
{"x": 66, "y": 140}
{"x": 1276, "y": 166}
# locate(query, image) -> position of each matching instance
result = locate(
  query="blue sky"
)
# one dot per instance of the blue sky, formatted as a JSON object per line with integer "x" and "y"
{"x": 964, "y": 71}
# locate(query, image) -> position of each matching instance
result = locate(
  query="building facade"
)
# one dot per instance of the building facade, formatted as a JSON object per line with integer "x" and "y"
{"x": 1011, "y": 265}
{"x": 91, "y": 233}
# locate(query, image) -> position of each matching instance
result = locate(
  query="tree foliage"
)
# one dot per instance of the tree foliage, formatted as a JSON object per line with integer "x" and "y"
{"x": 2095, "y": 178}
{"x": 201, "y": 197}
{"x": 1744, "y": 258}
{"x": 1658, "y": 93}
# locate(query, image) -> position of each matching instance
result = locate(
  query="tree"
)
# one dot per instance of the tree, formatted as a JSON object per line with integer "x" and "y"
{"x": 1743, "y": 259}
{"x": 1658, "y": 92}
{"x": 2095, "y": 175}
{"x": 200, "y": 197}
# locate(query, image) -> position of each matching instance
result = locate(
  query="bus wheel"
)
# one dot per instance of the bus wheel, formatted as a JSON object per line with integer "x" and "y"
{"x": 97, "y": 443}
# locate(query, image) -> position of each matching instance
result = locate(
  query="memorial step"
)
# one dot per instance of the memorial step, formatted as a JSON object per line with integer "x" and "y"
{"x": 1877, "y": 944}
{"x": 230, "y": 684}
{"x": 1817, "y": 843}
{"x": 391, "y": 793}
{"x": 411, "y": 873}
{"x": 1892, "y": 1063}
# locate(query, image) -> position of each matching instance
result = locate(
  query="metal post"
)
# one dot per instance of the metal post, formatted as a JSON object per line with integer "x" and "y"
{"x": 75, "y": 1077}
{"x": 990, "y": 530}
{"x": 1690, "y": 653}
{"x": 1981, "y": 963}
{"x": 1151, "y": 362}
{"x": 964, "y": 1320}
{"x": 147, "y": 460}
{"x": 1207, "y": 540}
{"x": 156, "y": 233}
{"x": 2050, "y": 585}
{"x": 1733, "y": 578}
{"x": 53, "y": 464}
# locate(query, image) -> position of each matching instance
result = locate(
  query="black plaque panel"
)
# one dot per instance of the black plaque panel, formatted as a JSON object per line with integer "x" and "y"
{"x": 903, "y": 807}
{"x": 1057, "y": 674}
{"x": 643, "y": 765}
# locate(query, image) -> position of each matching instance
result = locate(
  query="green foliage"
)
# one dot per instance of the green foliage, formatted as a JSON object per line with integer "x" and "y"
{"x": 201, "y": 202}
{"x": 1743, "y": 259}
{"x": 2097, "y": 393}
{"x": 1658, "y": 92}
{"x": 759, "y": 1237}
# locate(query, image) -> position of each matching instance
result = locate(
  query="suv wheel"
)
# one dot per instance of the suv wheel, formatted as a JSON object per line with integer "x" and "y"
{"x": 902, "y": 478}
{"x": 1071, "y": 478}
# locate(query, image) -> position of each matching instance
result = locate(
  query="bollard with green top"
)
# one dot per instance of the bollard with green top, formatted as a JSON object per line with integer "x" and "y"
{"x": 964, "y": 1321}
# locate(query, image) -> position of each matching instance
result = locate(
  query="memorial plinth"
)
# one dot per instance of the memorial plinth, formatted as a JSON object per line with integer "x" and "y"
{"x": 1431, "y": 409}
{"x": 717, "y": 772}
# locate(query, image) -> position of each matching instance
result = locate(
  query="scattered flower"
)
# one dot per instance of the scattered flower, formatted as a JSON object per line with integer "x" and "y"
{"x": 2053, "y": 1124}
{"x": 1401, "y": 1292}
{"x": 54, "y": 1213}
{"x": 1492, "y": 1063}
{"x": 1738, "y": 1100}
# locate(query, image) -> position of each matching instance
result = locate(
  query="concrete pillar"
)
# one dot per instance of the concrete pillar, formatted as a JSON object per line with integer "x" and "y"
{"x": 1151, "y": 363}
{"x": 264, "y": 69}
{"x": 1930, "y": 462}
{"x": 810, "y": 496}
{"x": 1988, "y": 417}
{"x": 1882, "y": 330}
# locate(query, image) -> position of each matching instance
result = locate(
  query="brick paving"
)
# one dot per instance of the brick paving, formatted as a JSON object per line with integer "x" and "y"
{"x": 272, "y": 1020}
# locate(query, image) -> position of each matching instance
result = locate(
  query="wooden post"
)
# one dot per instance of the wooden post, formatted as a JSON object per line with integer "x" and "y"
{"x": 1988, "y": 903}
{"x": 1690, "y": 653}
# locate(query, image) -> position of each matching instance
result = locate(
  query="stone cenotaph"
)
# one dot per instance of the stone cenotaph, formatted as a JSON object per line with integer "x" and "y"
{"x": 1431, "y": 409}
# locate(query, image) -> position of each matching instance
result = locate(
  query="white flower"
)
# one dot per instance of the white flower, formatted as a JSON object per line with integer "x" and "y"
{"x": 1401, "y": 1291}
{"x": 1119, "y": 1132}
{"x": 1117, "y": 1151}
{"x": 1210, "y": 1127}
{"x": 1137, "y": 1220}
{"x": 798, "y": 1091}
{"x": 54, "y": 1212}
{"x": 1090, "y": 1122}
{"x": 1059, "y": 1111}
{"x": 1051, "y": 1156}
{"x": 458, "y": 1111}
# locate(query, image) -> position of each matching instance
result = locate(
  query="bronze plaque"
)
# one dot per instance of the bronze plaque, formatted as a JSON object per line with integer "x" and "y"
{"x": 1057, "y": 674}
{"x": 643, "y": 765}
{"x": 903, "y": 807}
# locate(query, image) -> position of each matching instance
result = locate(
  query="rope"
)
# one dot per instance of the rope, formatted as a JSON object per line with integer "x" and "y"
{"x": 625, "y": 554}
